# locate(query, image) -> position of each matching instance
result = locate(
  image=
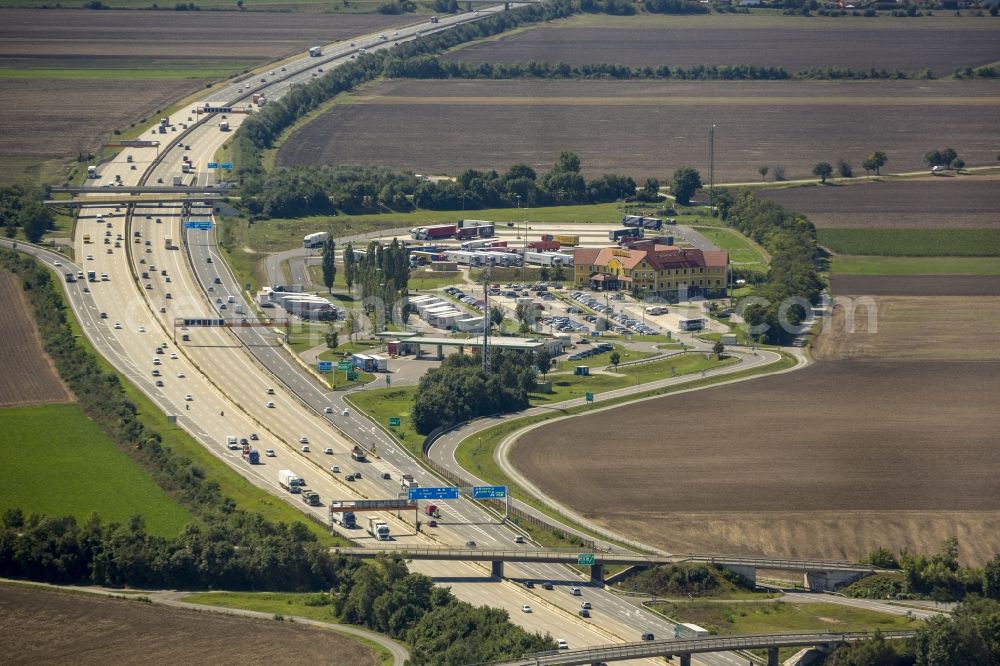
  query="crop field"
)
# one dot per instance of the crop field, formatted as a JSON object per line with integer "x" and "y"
{"x": 63, "y": 452}
{"x": 964, "y": 202}
{"x": 889, "y": 439}
{"x": 648, "y": 128}
{"x": 851, "y": 265}
{"x": 28, "y": 374}
{"x": 71, "y": 77}
{"x": 43, "y": 626}
{"x": 912, "y": 242}
{"x": 940, "y": 43}
{"x": 917, "y": 285}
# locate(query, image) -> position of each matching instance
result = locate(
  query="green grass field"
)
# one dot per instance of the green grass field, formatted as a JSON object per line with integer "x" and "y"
{"x": 601, "y": 360}
{"x": 307, "y": 605}
{"x": 742, "y": 251}
{"x": 382, "y": 403}
{"x": 54, "y": 460}
{"x": 913, "y": 242}
{"x": 759, "y": 618}
{"x": 870, "y": 265}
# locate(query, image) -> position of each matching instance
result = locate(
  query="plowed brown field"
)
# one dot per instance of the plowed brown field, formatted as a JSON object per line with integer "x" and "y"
{"x": 28, "y": 376}
{"x": 966, "y": 202}
{"x": 50, "y": 627}
{"x": 648, "y": 128}
{"x": 942, "y": 44}
{"x": 889, "y": 439}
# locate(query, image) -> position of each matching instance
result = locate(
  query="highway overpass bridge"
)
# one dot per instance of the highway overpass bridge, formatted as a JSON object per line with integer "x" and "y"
{"x": 817, "y": 574}
{"x": 685, "y": 647}
{"x": 176, "y": 198}
{"x": 142, "y": 189}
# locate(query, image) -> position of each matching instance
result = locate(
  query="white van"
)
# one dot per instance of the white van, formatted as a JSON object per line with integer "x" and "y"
{"x": 231, "y": 442}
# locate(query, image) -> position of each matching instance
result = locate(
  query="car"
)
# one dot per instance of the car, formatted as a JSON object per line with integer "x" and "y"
{"x": 345, "y": 413}
{"x": 86, "y": 289}
{"x": 328, "y": 410}
{"x": 271, "y": 72}
{"x": 349, "y": 477}
{"x": 222, "y": 307}
{"x": 148, "y": 285}
{"x": 583, "y": 612}
{"x": 269, "y": 405}
{"x": 547, "y": 585}
{"x": 335, "y": 469}
{"x": 167, "y": 295}
{"x": 647, "y": 636}
{"x": 57, "y": 263}
{"x": 585, "y": 605}
{"x": 142, "y": 329}
{"x": 328, "y": 451}
{"x": 357, "y": 475}
{"x": 386, "y": 475}
{"x": 525, "y": 608}
{"x": 157, "y": 361}
{"x": 305, "y": 448}
{"x": 104, "y": 315}
{"x": 269, "y": 391}
{"x": 470, "y": 544}
{"x": 90, "y": 257}
{"x": 575, "y": 591}
{"x": 529, "y": 584}
{"x": 432, "y": 523}
{"x": 159, "y": 382}
{"x": 303, "y": 439}
{"x": 562, "y": 644}
{"x": 188, "y": 398}
{"x": 519, "y": 539}
{"x": 180, "y": 375}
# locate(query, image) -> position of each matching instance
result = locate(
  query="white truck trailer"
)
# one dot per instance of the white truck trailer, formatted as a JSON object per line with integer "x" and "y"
{"x": 378, "y": 529}
{"x": 290, "y": 481}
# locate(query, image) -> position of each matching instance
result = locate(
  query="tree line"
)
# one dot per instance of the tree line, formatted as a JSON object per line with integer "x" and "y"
{"x": 790, "y": 239}
{"x": 458, "y": 390}
{"x": 382, "y": 273}
{"x": 21, "y": 208}
{"x": 227, "y": 548}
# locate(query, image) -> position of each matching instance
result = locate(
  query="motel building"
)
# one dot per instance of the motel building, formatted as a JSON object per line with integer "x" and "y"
{"x": 663, "y": 271}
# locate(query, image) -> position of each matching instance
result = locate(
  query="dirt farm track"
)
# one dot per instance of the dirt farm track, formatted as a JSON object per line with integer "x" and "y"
{"x": 879, "y": 443}
{"x": 28, "y": 377}
{"x": 42, "y": 626}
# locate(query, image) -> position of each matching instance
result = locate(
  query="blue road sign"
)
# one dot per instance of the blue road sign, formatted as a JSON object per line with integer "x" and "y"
{"x": 489, "y": 492}
{"x": 432, "y": 493}
{"x": 197, "y": 224}
{"x": 213, "y": 165}
{"x": 227, "y": 165}
{"x": 325, "y": 366}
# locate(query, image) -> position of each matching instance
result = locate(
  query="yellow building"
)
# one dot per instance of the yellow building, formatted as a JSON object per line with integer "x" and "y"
{"x": 665, "y": 271}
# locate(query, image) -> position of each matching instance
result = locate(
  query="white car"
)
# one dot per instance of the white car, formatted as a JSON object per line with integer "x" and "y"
{"x": 305, "y": 448}
{"x": 118, "y": 326}
{"x": 328, "y": 410}
{"x": 345, "y": 413}
{"x": 335, "y": 469}
{"x": 156, "y": 361}
{"x": 173, "y": 356}
{"x": 270, "y": 405}
{"x": 269, "y": 453}
{"x": 57, "y": 263}
{"x": 142, "y": 329}
{"x": 188, "y": 398}
{"x": 328, "y": 451}
{"x": 180, "y": 375}
{"x": 563, "y": 645}
{"x": 303, "y": 440}
{"x": 90, "y": 257}
{"x": 525, "y": 608}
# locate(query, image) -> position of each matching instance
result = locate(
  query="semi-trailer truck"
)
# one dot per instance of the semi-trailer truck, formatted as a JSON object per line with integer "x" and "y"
{"x": 342, "y": 517}
{"x": 224, "y": 126}
{"x": 316, "y": 51}
{"x": 251, "y": 455}
{"x": 310, "y": 497}
{"x": 378, "y": 529}
{"x": 433, "y": 232}
{"x": 290, "y": 481}
{"x": 315, "y": 240}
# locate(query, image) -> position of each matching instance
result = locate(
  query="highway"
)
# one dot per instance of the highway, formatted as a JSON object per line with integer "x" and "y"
{"x": 216, "y": 388}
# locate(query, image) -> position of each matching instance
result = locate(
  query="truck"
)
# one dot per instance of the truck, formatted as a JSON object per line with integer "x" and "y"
{"x": 568, "y": 241}
{"x": 407, "y": 481}
{"x": 315, "y": 240}
{"x": 433, "y": 232}
{"x": 691, "y": 324}
{"x": 168, "y": 243}
{"x": 92, "y": 172}
{"x": 186, "y": 167}
{"x": 432, "y": 511}
{"x": 315, "y": 51}
{"x": 310, "y": 497}
{"x": 617, "y": 234}
{"x": 341, "y": 517}
{"x": 86, "y": 238}
{"x": 543, "y": 245}
{"x": 256, "y": 98}
{"x": 378, "y": 529}
{"x": 178, "y": 181}
{"x": 290, "y": 481}
{"x": 164, "y": 122}
{"x": 251, "y": 455}
{"x": 91, "y": 276}
{"x": 224, "y": 126}
{"x": 434, "y": 19}
{"x": 641, "y": 221}
{"x": 358, "y": 454}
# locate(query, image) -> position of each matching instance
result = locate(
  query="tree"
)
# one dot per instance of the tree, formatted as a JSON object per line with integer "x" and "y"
{"x": 651, "y": 190}
{"x": 991, "y": 578}
{"x": 876, "y": 160}
{"x": 844, "y": 168}
{"x": 349, "y": 264}
{"x": 943, "y": 158}
{"x": 685, "y": 183}
{"x": 544, "y": 362}
{"x": 525, "y": 313}
{"x": 351, "y": 324}
{"x": 823, "y": 170}
{"x": 35, "y": 220}
{"x": 558, "y": 274}
{"x": 882, "y": 558}
{"x": 615, "y": 358}
{"x": 332, "y": 337}
{"x": 329, "y": 265}
{"x": 959, "y": 164}
{"x": 763, "y": 172}
{"x": 496, "y": 316}
{"x": 718, "y": 348}
{"x": 544, "y": 273}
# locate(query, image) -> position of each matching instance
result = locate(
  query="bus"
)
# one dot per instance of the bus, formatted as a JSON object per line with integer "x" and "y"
{"x": 691, "y": 324}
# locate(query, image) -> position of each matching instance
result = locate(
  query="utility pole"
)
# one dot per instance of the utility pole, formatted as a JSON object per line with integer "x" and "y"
{"x": 487, "y": 318}
{"x": 711, "y": 168}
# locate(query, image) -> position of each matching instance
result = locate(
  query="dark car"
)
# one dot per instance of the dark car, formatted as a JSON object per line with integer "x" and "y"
{"x": 647, "y": 636}
{"x": 528, "y": 584}
{"x": 547, "y": 585}
{"x": 584, "y": 612}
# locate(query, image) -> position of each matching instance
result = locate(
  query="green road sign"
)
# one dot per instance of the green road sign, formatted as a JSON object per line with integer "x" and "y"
{"x": 344, "y": 365}
{"x": 352, "y": 375}
{"x": 388, "y": 380}
{"x": 585, "y": 559}
{"x": 393, "y": 421}
{"x": 590, "y": 397}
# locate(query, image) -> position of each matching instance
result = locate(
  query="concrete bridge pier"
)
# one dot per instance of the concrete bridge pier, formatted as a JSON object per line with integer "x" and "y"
{"x": 440, "y": 352}
{"x": 597, "y": 573}
{"x": 772, "y": 656}
{"x": 496, "y": 568}
{"x": 748, "y": 572}
{"x": 685, "y": 659}
{"x": 828, "y": 581}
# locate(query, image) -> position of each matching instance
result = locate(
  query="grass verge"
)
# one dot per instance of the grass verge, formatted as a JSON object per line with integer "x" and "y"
{"x": 56, "y": 461}
{"x": 742, "y": 251}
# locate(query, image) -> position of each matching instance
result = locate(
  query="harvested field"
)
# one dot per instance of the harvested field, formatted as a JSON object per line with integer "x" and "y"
{"x": 43, "y": 626}
{"x": 36, "y": 123}
{"x": 915, "y": 285}
{"x": 644, "y": 128}
{"x": 942, "y": 44}
{"x": 28, "y": 374}
{"x": 888, "y": 439}
{"x": 966, "y": 202}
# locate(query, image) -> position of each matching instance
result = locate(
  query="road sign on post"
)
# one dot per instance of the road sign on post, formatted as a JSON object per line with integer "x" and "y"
{"x": 344, "y": 365}
{"x": 394, "y": 421}
{"x": 590, "y": 397}
{"x": 325, "y": 366}
{"x": 585, "y": 559}
{"x": 212, "y": 165}
{"x": 489, "y": 492}
{"x": 227, "y": 165}
{"x": 432, "y": 493}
